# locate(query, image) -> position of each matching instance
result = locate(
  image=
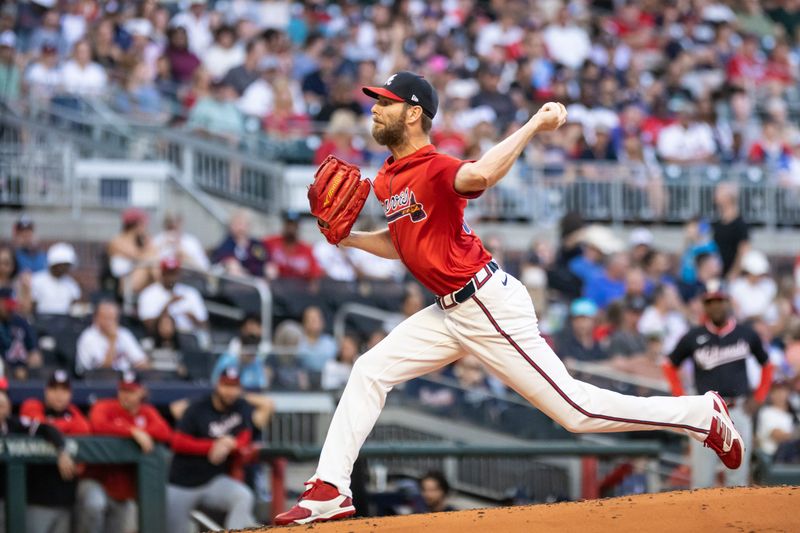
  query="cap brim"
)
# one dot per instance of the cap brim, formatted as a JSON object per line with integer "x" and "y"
{"x": 377, "y": 92}
{"x": 130, "y": 386}
{"x": 714, "y": 296}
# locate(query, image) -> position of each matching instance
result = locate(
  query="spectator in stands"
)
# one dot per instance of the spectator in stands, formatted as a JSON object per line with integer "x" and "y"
{"x": 50, "y": 497}
{"x": 340, "y": 139}
{"x": 168, "y": 296}
{"x": 747, "y": 67}
{"x": 658, "y": 269}
{"x": 197, "y": 24}
{"x": 490, "y": 95}
{"x": 108, "y": 490}
{"x": 105, "y": 49}
{"x": 567, "y": 43}
{"x": 30, "y": 257}
{"x": 576, "y": 341}
{"x": 288, "y": 118}
{"x": 217, "y": 116}
{"x": 340, "y": 99}
{"x": 413, "y": 301}
{"x": 182, "y": 61}
{"x": 770, "y": 150}
{"x": 53, "y": 291}
{"x": 663, "y": 317}
{"x": 626, "y": 341}
{"x": 687, "y": 141}
{"x": 698, "y": 240}
{"x": 596, "y": 243}
{"x": 138, "y": 98}
{"x": 753, "y": 292}
{"x": 198, "y": 89}
{"x": 175, "y": 242}
{"x": 290, "y": 257}
{"x": 334, "y": 261}
{"x": 336, "y": 371}
{"x": 209, "y": 436}
{"x": 610, "y": 285}
{"x": 10, "y": 75}
{"x": 731, "y": 233}
{"x": 18, "y": 282}
{"x": 316, "y": 347}
{"x": 49, "y": 31}
{"x": 244, "y": 352}
{"x": 131, "y": 254}
{"x": 434, "y": 489}
{"x": 283, "y": 364}
{"x": 777, "y": 432}
{"x": 224, "y": 54}
{"x": 18, "y": 344}
{"x": 707, "y": 267}
{"x": 107, "y": 345}
{"x": 317, "y": 84}
{"x": 640, "y": 243}
{"x": 241, "y": 76}
{"x": 19, "y": 425}
{"x": 82, "y": 76}
{"x": 240, "y": 254}
{"x": 43, "y": 78}
{"x": 258, "y": 99}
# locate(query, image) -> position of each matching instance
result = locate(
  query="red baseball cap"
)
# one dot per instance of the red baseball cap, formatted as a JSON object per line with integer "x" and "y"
{"x": 229, "y": 376}
{"x": 130, "y": 381}
{"x": 133, "y": 215}
{"x": 170, "y": 264}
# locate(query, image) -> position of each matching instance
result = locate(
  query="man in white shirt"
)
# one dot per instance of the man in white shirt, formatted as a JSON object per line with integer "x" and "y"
{"x": 53, "y": 291}
{"x": 174, "y": 242}
{"x": 663, "y": 319}
{"x": 81, "y": 75}
{"x": 567, "y": 43}
{"x": 183, "y": 303}
{"x": 754, "y": 292}
{"x": 686, "y": 141}
{"x": 334, "y": 261}
{"x": 106, "y": 344}
{"x": 197, "y": 24}
{"x": 43, "y": 78}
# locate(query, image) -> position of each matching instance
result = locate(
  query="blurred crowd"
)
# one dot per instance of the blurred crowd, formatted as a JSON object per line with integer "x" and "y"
{"x": 683, "y": 82}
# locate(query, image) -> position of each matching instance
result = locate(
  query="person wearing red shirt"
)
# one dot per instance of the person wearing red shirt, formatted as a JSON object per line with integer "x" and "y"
{"x": 108, "y": 490}
{"x": 289, "y": 257}
{"x": 51, "y": 498}
{"x": 212, "y": 440}
{"x": 480, "y": 309}
{"x": 748, "y": 66}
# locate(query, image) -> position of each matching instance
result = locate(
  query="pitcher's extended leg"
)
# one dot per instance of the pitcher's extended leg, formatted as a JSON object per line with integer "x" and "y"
{"x": 419, "y": 345}
{"x": 499, "y": 326}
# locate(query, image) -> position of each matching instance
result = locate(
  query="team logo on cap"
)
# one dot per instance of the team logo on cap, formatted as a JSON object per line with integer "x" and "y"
{"x": 391, "y": 79}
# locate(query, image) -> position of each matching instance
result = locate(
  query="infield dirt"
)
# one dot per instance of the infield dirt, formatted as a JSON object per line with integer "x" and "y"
{"x": 757, "y": 509}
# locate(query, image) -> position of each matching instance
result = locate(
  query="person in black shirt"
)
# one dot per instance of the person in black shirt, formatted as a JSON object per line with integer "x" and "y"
{"x": 13, "y": 425}
{"x": 576, "y": 341}
{"x": 51, "y": 498}
{"x": 208, "y": 437}
{"x": 719, "y": 349}
{"x": 434, "y": 489}
{"x": 730, "y": 231}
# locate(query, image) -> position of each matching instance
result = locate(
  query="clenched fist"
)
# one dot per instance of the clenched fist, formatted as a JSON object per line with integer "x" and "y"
{"x": 551, "y": 116}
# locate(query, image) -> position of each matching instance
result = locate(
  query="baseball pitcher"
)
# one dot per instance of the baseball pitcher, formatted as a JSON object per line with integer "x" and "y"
{"x": 480, "y": 309}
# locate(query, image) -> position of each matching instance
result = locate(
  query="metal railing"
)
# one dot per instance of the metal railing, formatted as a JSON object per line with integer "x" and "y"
{"x": 249, "y": 171}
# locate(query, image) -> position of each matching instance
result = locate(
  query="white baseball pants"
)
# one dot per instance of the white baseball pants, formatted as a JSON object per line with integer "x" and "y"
{"x": 498, "y": 325}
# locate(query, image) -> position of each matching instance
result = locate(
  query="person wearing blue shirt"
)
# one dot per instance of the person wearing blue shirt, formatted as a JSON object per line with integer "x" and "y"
{"x": 29, "y": 257}
{"x": 316, "y": 347}
{"x": 699, "y": 241}
{"x": 610, "y": 284}
{"x": 243, "y": 353}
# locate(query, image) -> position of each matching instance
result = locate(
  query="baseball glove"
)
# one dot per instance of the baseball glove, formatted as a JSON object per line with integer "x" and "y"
{"x": 336, "y": 197}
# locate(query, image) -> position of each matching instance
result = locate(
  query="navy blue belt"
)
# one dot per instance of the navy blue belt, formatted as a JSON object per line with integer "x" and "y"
{"x": 463, "y": 294}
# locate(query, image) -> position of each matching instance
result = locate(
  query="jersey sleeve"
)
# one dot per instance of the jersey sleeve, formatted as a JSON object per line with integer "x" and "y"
{"x": 757, "y": 348}
{"x": 188, "y": 438}
{"x": 682, "y": 351}
{"x": 443, "y": 169}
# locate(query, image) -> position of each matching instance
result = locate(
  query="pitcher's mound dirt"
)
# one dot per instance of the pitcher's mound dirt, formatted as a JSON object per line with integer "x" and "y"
{"x": 744, "y": 510}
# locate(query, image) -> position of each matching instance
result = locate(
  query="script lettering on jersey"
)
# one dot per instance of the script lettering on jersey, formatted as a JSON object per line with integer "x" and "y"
{"x": 710, "y": 357}
{"x": 403, "y": 205}
{"x": 220, "y": 428}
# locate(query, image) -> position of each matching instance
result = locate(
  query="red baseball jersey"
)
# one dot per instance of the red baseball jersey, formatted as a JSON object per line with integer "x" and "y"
{"x": 425, "y": 215}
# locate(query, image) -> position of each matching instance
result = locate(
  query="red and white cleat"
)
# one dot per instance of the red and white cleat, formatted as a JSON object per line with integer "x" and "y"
{"x": 723, "y": 437}
{"x": 319, "y": 503}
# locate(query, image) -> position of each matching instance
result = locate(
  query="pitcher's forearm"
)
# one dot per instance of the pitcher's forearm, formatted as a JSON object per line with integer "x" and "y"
{"x": 375, "y": 242}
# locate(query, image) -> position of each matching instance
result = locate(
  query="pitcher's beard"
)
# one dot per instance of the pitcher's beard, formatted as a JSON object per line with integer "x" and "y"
{"x": 390, "y": 134}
